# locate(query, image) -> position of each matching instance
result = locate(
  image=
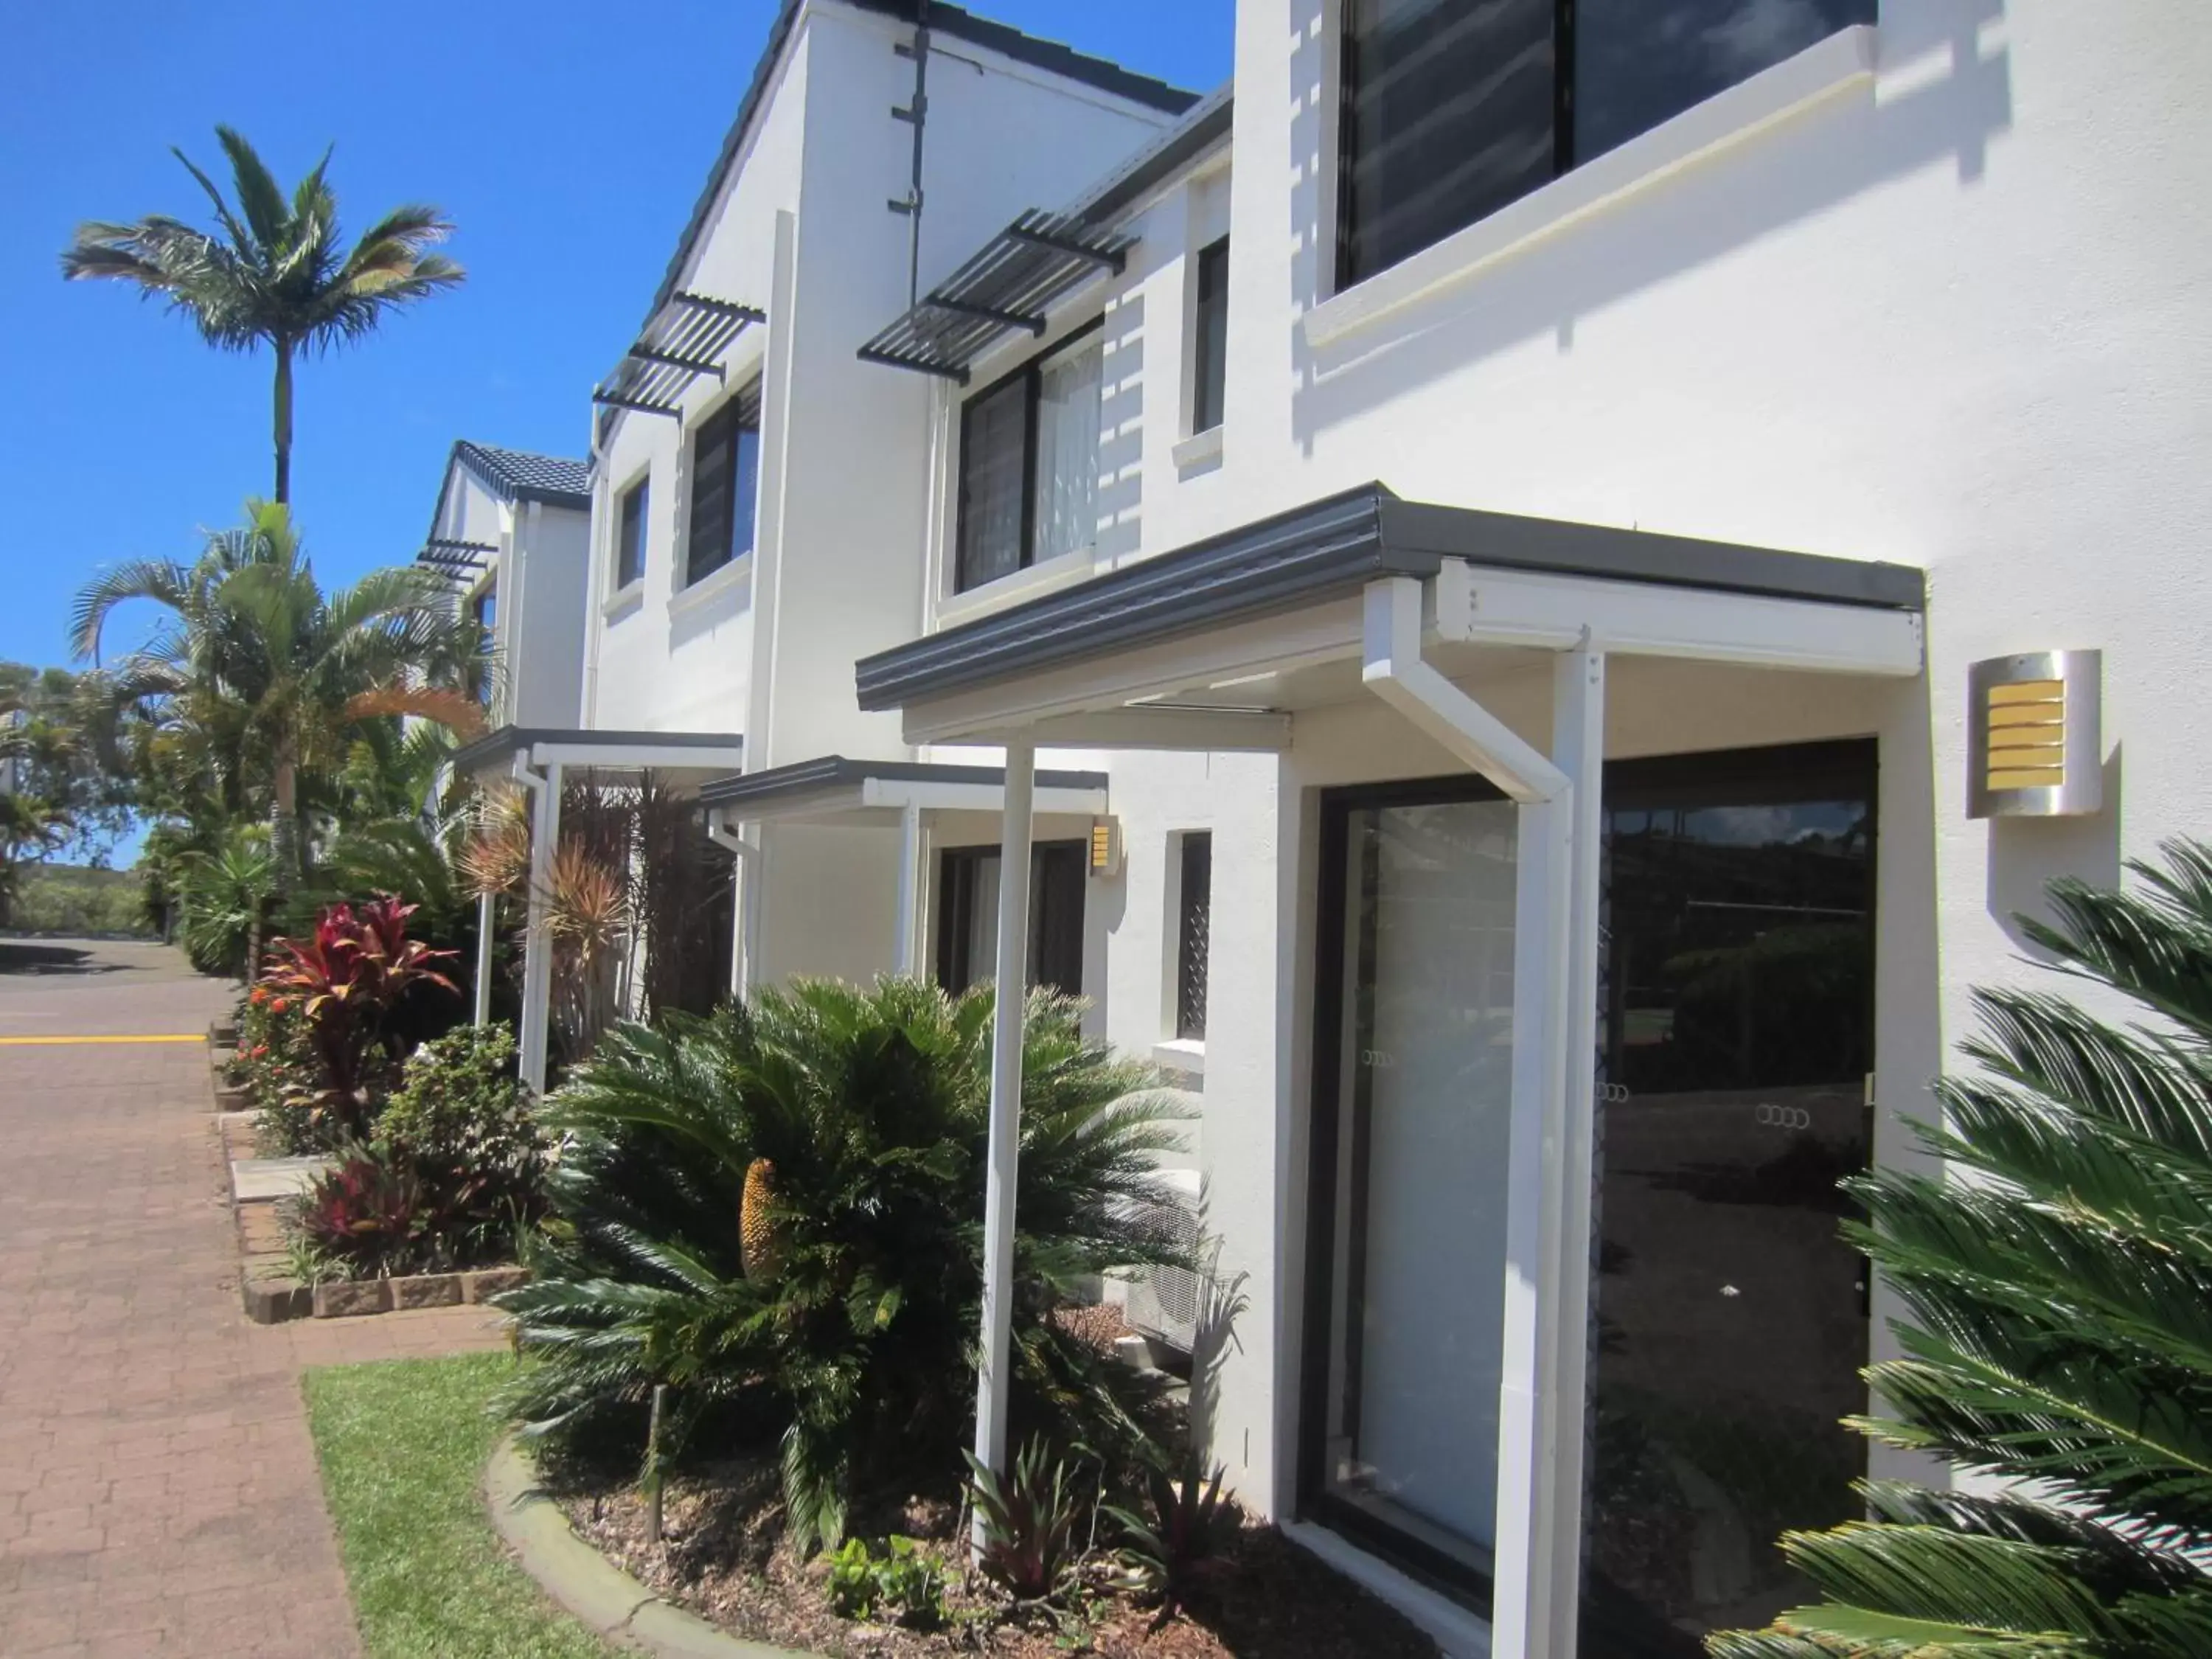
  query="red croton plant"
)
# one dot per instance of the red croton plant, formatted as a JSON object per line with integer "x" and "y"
{"x": 348, "y": 978}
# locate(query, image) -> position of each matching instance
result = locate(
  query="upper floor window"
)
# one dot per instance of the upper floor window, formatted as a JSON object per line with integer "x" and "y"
{"x": 629, "y": 536}
{"x": 725, "y": 486}
{"x": 1029, "y": 465}
{"x": 1210, "y": 337}
{"x": 1452, "y": 108}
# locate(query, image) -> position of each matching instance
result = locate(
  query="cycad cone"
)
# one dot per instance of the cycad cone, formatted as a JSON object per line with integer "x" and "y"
{"x": 759, "y": 1248}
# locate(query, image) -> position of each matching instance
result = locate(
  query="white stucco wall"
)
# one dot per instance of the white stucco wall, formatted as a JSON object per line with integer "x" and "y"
{"x": 1957, "y": 314}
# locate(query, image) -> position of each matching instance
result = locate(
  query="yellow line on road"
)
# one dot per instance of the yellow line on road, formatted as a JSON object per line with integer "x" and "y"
{"x": 58, "y": 1041}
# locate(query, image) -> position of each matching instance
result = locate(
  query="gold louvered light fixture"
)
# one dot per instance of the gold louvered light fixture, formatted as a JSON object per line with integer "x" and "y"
{"x": 2033, "y": 744}
{"x": 1105, "y": 846}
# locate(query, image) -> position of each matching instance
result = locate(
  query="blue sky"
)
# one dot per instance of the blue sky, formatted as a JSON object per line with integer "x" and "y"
{"x": 567, "y": 139}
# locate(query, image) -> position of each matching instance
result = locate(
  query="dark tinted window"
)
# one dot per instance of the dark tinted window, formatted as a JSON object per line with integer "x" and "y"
{"x": 1638, "y": 63}
{"x": 1210, "y": 339}
{"x": 968, "y": 916}
{"x": 1194, "y": 934}
{"x": 1453, "y": 108}
{"x": 725, "y": 485}
{"x": 1447, "y": 116}
{"x": 629, "y": 545}
{"x": 995, "y": 482}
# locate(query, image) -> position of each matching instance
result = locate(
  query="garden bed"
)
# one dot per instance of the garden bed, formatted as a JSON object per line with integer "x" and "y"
{"x": 724, "y": 1557}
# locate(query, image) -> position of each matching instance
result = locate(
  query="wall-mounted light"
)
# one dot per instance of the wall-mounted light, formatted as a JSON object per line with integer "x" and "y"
{"x": 1105, "y": 846}
{"x": 2034, "y": 748}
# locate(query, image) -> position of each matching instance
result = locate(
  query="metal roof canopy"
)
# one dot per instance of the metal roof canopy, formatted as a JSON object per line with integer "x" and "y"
{"x": 495, "y": 753}
{"x": 832, "y": 787}
{"x": 455, "y": 561}
{"x": 1012, "y": 284}
{"x": 686, "y": 337}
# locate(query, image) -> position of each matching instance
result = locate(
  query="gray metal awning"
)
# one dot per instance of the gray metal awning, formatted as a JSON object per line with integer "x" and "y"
{"x": 1012, "y": 284}
{"x": 494, "y": 753}
{"x": 458, "y": 562}
{"x": 831, "y": 787}
{"x": 687, "y": 337}
{"x": 1330, "y": 549}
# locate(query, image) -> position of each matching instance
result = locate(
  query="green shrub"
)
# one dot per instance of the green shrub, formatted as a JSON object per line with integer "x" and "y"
{"x": 2056, "y": 1282}
{"x": 463, "y": 1125}
{"x": 778, "y": 1213}
{"x": 53, "y": 899}
{"x": 905, "y": 1581}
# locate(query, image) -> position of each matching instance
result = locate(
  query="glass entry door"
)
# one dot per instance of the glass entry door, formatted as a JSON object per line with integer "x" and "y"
{"x": 1729, "y": 1319}
{"x": 1408, "y": 1216}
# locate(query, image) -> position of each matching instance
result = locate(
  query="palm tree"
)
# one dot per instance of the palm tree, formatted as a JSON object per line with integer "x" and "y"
{"x": 2057, "y": 1280}
{"x": 277, "y": 272}
{"x": 268, "y": 674}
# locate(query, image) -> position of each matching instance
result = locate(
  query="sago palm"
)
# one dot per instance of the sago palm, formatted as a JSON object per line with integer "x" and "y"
{"x": 275, "y": 270}
{"x": 256, "y": 662}
{"x": 2057, "y": 1285}
{"x": 778, "y": 1213}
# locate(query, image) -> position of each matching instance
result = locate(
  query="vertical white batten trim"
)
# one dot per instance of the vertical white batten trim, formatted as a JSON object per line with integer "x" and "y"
{"x": 743, "y": 851}
{"x": 766, "y": 609}
{"x": 1005, "y": 1154}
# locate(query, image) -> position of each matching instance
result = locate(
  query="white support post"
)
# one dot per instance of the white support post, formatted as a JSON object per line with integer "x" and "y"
{"x": 487, "y": 909}
{"x": 742, "y": 852}
{"x": 537, "y": 942}
{"x": 1012, "y": 990}
{"x": 909, "y": 888}
{"x": 1578, "y": 749}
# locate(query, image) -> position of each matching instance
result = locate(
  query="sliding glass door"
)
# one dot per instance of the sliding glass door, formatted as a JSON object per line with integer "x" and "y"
{"x": 1730, "y": 1320}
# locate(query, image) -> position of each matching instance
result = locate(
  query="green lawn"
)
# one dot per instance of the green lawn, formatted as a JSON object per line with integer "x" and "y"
{"x": 402, "y": 1445}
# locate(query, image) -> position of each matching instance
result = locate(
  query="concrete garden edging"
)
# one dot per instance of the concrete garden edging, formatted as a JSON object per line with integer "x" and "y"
{"x": 598, "y": 1593}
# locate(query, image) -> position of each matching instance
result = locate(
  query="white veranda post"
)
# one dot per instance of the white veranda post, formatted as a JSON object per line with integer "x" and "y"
{"x": 1012, "y": 989}
{"x": 538, "y": 944}
{"x": 487, "y": 918}
{"x": 909, "y": 888}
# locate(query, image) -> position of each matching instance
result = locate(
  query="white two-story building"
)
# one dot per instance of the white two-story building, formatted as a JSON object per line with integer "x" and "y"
{"x": 1578, "y": 535}
{"x": 1552, "y": 558}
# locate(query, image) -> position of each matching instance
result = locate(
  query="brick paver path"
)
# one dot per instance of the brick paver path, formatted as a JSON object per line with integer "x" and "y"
{"x": 158, "y": 1491}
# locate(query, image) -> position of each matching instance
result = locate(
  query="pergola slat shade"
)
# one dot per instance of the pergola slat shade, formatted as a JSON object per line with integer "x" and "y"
{"x": 1013, "y": 283}
{"x": 455, "y": 561}
{"x": 687, "y": 338}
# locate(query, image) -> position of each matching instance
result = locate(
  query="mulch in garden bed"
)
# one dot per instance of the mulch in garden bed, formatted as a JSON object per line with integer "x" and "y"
{"x": 724, "y": 1557}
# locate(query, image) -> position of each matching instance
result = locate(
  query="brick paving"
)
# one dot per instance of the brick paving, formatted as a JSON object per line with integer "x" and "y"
{"x": 158, "y": 1491}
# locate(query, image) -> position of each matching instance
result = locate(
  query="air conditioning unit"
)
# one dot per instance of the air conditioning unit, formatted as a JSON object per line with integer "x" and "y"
{"x": 1162, "y": 1301}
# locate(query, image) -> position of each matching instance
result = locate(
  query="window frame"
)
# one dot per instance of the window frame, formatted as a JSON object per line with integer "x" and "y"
{"x": 1031, "y": 374}
{"x": 1208, "y": 411}
{"x": 741, "y": 409}
{"x": 639, "y": 490}
{"x": 956, "y": 957}
{"x": 1193, "y": 956}
{"x": 1341, "y": 201}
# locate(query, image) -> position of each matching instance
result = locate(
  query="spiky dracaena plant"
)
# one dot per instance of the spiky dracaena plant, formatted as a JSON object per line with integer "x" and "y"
{"x": 873, "y": 1108}
{"x": 2058, "y": 1337}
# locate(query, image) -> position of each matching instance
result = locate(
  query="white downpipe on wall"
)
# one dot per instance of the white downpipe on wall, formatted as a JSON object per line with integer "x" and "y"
{"x": 538, "y": 944}
{"x": 1396, "y": 670}
{"x": 487, "y": 905}
{"x": 1578, "y": 749}
{"x": 1012, "y": 990}
{"x": 743, "y": 852}
{"x": 909, "y": 888}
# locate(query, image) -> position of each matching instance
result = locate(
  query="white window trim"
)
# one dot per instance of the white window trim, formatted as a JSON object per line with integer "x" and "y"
{"x": 1197, "y": 449}
{"x": 712, "y": 586}
{"x": 1185, "y": 1054}
{"x": 1844, "y": 60}
{"x": 1063, "y": 571}
{"x": 622, "y": 601}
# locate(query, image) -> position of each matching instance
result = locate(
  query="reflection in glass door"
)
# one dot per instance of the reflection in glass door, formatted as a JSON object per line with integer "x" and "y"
{"x": 1408, "y": 1201}
{"x": 1729, "y": 1318}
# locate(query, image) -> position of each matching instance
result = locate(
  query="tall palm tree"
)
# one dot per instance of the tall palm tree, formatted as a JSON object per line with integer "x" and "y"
{"x": 270, "y": 673}
{"x": 275, "y": 271}
{"x": 2057, "y": 1344}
